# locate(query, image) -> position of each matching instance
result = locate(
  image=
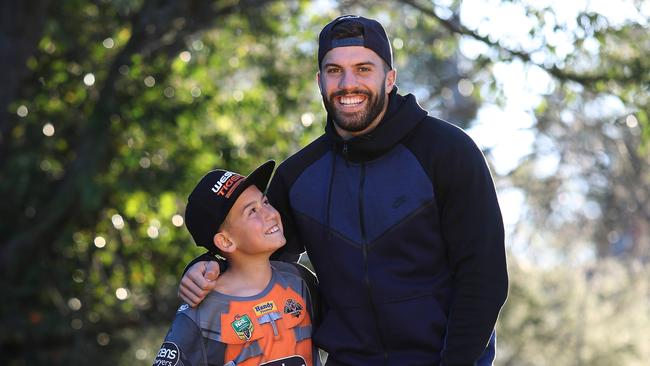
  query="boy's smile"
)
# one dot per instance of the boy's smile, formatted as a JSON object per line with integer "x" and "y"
{"x": 253, "y": 225}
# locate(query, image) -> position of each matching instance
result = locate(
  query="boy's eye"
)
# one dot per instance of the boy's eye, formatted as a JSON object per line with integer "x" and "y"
{"x": 252, "y": 211}
{"x": 364, "y": 69}
{"x": 332, "y": 70}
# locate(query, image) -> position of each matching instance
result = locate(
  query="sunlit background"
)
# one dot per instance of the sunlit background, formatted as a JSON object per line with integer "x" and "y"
{"x": 113, "y": 109}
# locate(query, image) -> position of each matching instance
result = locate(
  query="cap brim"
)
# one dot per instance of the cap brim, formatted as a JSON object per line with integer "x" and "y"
{"x": 259, "y": 177}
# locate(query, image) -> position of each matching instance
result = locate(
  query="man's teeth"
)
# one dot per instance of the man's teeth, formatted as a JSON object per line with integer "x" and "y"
{"x": 351, "y": 100}
{"x": 273, "y": 230}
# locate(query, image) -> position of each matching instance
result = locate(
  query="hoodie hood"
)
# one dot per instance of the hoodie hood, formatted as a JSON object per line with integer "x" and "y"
{"x": 402, "y": 115}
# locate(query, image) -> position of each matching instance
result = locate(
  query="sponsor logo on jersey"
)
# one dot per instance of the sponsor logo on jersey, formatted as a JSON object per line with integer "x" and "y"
{"x": 168, "y": 355}
{"x": 264, "y": 308}
{"x": 292, "y": 307}
{"x": 183, "y": 308}
{"x": 243, "y": 327}
{"x": 295, "y": 360}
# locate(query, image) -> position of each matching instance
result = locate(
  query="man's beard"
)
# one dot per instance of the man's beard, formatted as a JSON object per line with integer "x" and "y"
{"x": 357, "y": 121}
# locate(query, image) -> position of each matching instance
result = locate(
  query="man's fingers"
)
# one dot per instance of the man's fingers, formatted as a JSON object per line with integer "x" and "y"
{"x": 197, "y": 282}
{"x": 212, "y": 271}
{"x": 188, "y": 296}
{"x": 201, "y": 281}
{"x": 190, "y": 286}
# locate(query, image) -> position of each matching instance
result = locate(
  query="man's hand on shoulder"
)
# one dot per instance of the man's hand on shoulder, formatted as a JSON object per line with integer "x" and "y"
{"x": 198, "y": 281}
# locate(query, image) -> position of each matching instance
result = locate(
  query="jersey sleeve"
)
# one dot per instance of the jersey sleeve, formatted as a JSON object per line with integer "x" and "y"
{"x": 184, "y": 345}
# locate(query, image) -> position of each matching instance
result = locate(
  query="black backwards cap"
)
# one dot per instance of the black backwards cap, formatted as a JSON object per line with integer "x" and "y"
{"x": 374, "y": 38}
{"x": 213, "y": 197}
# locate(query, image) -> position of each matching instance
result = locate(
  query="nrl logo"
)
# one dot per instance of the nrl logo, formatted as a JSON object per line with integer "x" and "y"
{"x": 243, "y": 327}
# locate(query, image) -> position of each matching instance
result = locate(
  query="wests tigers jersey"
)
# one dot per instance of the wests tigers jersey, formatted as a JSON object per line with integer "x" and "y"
{"x": 271, "y": 328}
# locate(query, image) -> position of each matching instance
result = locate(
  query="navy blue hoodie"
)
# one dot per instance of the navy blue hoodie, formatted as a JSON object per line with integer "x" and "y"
{"x": 405, "y": 233}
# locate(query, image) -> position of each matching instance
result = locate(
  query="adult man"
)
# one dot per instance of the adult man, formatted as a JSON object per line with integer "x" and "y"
{"x": 399, "y": 216}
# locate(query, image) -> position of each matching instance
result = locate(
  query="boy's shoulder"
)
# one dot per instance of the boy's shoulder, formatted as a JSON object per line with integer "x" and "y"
{"x": 285, "y": 267}
{"x": 294, "y": 271}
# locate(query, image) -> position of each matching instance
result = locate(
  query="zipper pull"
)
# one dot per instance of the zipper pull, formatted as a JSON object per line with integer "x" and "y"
{"x": 345, "y": 149}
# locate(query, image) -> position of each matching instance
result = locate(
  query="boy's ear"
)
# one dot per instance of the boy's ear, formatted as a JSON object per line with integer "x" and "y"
{"x": 223, "y": 243}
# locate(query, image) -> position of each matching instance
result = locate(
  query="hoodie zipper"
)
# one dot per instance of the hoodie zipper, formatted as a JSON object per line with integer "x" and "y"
{"x": 362, "y": 225}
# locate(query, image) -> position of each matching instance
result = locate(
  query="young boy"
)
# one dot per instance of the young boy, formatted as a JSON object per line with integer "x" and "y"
{"x": 260, "y": 312}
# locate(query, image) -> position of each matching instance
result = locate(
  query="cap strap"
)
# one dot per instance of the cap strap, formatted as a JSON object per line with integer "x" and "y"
{"x": 346, "y": 42}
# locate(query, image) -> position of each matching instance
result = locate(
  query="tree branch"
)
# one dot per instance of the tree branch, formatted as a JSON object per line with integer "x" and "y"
{"x": 561, "y": 74}
{"x": 157, "y": 19}
{"x": 21, "y": 25}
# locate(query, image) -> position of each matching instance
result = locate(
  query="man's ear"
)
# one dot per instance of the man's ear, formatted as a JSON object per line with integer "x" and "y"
{"x": 318, "y": 81}
{"x": 391, "y": 76}
{"x": 223, "y": 242}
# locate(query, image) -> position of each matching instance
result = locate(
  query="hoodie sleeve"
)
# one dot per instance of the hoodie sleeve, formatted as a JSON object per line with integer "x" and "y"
{"x": 472, "y": 228}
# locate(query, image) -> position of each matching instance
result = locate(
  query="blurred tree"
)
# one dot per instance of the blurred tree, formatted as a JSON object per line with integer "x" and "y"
{"x": 592, "y": 127}
{"x": 112, "y": 110}
{"x": 594, "y": 314}
{"x": 119, "y": 110}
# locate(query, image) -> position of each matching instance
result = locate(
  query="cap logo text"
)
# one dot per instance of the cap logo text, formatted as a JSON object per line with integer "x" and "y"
{"x": 226, "y": 184}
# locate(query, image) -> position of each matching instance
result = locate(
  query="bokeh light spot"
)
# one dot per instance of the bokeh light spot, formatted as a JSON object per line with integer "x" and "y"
{"x": 141, "y": 354}
{"x": 108, "y": 42}
{"x": 185, "y": 56}
{"x": 118, "y": 221}
{"x": 48, "y": 129}
{"x": 149, "y": 81}
{"x": 89, "y": 79}
{"x": 177, "y": 220}
{"x": 398, "y": 43}
{"x": 197, "y": 45}
{"x": 152, "y": 232}
{"x": 121, "y": 293}
{"x": 631, "y": 121}
{"x": 78, "y": 276}
{"x": 74, "y": 304}
{"x": 169, "y": 92}
{"x": 465, "y": 87}
{"x": 76, "y": 324}
{"x": 307, "y": 119}
{"x": 103, "y": 339}
{"x": 100, "y": 242}
{"x": 22, "y": 111}
{"x": 145, "y": 162}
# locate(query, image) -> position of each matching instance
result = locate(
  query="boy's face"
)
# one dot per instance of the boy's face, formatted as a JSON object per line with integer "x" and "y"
{"x": 253, "y": 224}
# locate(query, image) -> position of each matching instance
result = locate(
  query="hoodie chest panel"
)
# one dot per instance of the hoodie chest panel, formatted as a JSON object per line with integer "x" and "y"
{"x": 385, "y": 191}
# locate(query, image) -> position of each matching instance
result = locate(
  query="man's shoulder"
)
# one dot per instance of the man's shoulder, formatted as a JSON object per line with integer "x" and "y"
{"x": 440, "y": 127}
{"x": 438, "y": 134}
{"x": 305, "y": 156}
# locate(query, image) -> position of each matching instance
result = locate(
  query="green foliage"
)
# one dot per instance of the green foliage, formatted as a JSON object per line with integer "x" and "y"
{"x": 119, "y": 130}
{"x": 126, "y": 104}
{"x": 584, "y": 315}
